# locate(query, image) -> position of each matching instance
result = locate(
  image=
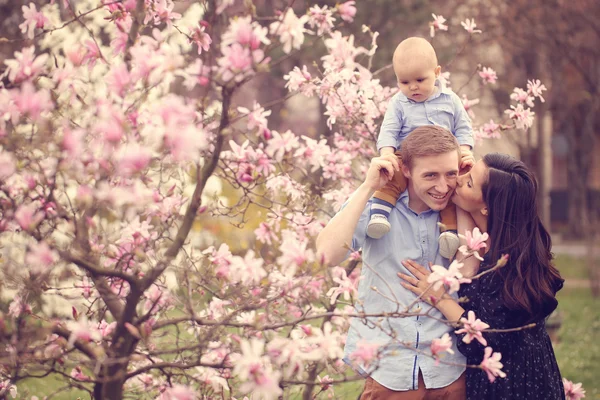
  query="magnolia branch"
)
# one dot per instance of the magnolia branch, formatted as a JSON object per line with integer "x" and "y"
{"x": 196, "y": 200}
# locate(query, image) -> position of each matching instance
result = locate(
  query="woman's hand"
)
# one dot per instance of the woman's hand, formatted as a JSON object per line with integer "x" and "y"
{"x": 417, "y": 283}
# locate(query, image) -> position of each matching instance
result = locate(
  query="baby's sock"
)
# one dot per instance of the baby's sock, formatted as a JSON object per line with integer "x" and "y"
{"x": 381, "y": 208}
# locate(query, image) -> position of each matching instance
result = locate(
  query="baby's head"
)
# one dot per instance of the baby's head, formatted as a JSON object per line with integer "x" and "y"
{"x": 416, "y": 68}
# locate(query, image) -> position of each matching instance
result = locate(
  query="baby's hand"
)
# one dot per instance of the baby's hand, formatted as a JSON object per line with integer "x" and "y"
{"x": 467, "y": 160}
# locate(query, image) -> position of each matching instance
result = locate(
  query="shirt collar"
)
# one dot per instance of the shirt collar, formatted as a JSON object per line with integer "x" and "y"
{"x": 404, "y": 200}
{"x": 441, "y": 88}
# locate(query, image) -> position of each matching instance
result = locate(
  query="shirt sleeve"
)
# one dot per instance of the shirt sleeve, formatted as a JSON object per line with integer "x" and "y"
{"x": 360, "y": 232}
{"x": 391, "y": 127}
{"x": 463, "y": 130}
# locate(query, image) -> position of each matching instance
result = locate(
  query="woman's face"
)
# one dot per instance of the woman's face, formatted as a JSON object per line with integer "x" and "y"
{"x": 467, "y": 194}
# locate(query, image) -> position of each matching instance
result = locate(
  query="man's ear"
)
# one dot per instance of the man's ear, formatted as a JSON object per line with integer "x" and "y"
{"x": 484, "y": 211}
{"x": 405, "y": 171}
{"x": 438, "y": 71}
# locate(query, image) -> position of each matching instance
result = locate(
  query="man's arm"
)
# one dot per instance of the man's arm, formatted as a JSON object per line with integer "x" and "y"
{"x": 334, "y": 239}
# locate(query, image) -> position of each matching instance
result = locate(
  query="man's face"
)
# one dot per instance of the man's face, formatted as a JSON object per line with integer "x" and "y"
{"x": 432, "y": 180}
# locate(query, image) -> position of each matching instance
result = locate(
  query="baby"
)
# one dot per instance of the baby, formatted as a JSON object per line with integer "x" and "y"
{"x": 422, "y": 100}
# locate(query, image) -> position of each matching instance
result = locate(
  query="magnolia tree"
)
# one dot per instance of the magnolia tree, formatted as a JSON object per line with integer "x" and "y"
{"x": 116, "y": 115}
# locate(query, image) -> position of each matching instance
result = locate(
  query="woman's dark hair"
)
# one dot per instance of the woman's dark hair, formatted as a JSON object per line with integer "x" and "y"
{"x": 510, "y": 193}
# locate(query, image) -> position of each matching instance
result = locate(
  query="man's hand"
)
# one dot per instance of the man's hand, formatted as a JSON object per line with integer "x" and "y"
{"x": 467, "y": 160}
{"x": 381, "y": 171}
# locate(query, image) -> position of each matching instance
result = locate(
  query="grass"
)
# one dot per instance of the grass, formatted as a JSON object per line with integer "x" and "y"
{"x": 577, "y": 352}
{"x": 572, "y": 267}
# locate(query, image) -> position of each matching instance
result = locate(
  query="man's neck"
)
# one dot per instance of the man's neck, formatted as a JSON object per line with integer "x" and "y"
{"x": 414, "y": 202}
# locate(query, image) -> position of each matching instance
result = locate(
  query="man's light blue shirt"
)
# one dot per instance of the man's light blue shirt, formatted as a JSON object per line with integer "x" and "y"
{"x": 444, "y": 109}
{"x": 413, "y": 236}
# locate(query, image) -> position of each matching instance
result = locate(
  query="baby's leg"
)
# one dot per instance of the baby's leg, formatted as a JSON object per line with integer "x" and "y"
{"x": 448, "y": 239}
{"x": 448, "y": 217}
{"x": 384, "y": 201}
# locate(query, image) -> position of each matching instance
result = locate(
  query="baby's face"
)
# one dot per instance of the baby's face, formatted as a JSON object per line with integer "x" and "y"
{"x": 416, "y": 80}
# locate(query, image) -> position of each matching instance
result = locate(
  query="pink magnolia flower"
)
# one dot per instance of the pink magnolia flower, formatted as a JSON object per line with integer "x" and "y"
{"x": 28, "y": 217}
{"x": 107, "y": 329}
{"x": 72, "y": 142}
{"x": 18, "y": 306}
{"x": 294, "y": 251}
{"x": 78, "y": 375}
{"x": 222, "y": 256}
{"x": 441, "y": 345}
{"x": 573, "y": 391}
{"x": 12, "y": 389}
{"x": 473, "y": 328}
{"x": 521, "y": 96}
{"x": 246, "y": 32}
{"x": 33, "y": 19}
{"x": 132, "y": 159}
{"x": 7, "y": 165}
{"x": 347, "y": 10}
{"x": 475, "y": 242}
{"x": 346, "y": 286}
{"x": 438, "y": 23}
{"x": 92, "y": 53}
{"x": 290, "y": 30}
{"x": 325, "y": 382}
{"x": 82, "y": 330}
{"x": 40, "y": 256}
{"x": 523, "y": 117}
{"x": 488, "y": 75}
{"x": 162, "y": 11}
{"x": 536, "y": 88}
{"x": 119, "y": 43}
{"x": 491, "y": 364}
{"x": 118, "y": 79}
{"x": 25, "y": 65}
{"x": 248, "y": 270}
{"x": 281, "y": 143}
{"x": 184, "y": 143}
{"x": 300, "y": 79}
{"x": 157, "y": 298}
{"x": 32, "y": 103}
{"x": 365, "y": 353}
{"x": 469, "y": 25}
{"x": 201, "y": 38}
{"x": 178, "y": 392}
{"x": 76, "y": 55}
{"x": 445, "y": 78}
{"x": 452, "y": 278}
{"x": 264, "y": 234}
{"x": 492, "y": 129}
{"x": 321, "y": 18}
{"x": 254, "y": 369}
{"x": 236, "y": 63}
{"x": 257, "y": 118}
{"x": 126, "y": 5}
{"x": 468, "y": 104}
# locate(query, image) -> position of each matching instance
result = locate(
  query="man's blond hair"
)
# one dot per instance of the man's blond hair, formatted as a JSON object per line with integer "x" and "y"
{"x": 427, "y": 140}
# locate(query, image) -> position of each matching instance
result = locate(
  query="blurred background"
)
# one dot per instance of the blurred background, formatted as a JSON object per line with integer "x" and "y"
{"x": 556, "y": 41}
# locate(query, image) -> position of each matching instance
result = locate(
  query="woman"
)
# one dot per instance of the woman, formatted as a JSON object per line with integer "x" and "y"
{"x": 499, "y": 196}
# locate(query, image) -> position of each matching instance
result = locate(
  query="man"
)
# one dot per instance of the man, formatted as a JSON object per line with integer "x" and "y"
{"x": 430, "y": 157}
